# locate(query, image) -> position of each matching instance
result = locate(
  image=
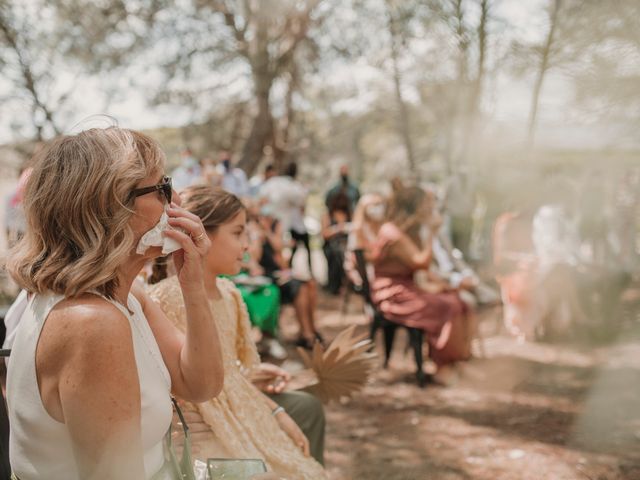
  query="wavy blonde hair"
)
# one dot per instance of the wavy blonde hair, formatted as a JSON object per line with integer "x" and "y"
{"x": 78, "y": 206}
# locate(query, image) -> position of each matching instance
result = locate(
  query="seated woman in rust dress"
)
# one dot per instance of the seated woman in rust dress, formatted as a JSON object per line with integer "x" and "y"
{"x": 402, "y": 248}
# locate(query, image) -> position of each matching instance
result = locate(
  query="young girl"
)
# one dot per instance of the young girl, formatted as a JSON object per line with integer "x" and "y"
{"x": 244, "y": 422}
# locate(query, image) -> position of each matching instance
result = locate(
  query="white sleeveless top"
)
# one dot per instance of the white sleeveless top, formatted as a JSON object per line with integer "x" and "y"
{"x": 40, "y": 446}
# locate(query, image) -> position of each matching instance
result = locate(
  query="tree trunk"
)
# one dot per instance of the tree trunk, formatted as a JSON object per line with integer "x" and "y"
{"x": 261, "y": 132}
{"x": 457, "y": 122}
{"x": 473, "y": 109}
{"x": 29, "y": 82}
{"x": 482, "y": 54}
{"x": 262, "y": 128}
{"x": 544, "y": 66}
{"x": 282, "y": 136}
{"x": 403, "y": 113}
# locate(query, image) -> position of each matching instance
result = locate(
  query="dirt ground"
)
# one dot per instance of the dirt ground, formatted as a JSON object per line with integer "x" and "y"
{"x": 519, "y": 411}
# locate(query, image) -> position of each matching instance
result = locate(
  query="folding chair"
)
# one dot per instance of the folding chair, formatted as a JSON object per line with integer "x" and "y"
{"x": 416, "y": 336}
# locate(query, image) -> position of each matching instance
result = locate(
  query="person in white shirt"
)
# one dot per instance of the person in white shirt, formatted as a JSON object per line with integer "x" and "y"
{"x": 287, "y": 198}
{"x": 234, "y": 179}
{"x": 256, "y": 182}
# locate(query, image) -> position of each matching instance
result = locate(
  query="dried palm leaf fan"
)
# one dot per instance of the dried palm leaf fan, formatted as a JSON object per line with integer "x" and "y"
{"x": 339, "y": 371}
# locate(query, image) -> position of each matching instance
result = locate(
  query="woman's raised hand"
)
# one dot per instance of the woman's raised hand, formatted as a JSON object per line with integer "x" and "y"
{"x": 195, "y": 244}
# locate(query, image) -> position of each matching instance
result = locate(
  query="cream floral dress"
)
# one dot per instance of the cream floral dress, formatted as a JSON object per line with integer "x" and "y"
{"x": 240, "y": 418}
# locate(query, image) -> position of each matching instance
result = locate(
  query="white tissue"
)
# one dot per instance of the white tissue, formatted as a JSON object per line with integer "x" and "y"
{"x": 155, "y": 238}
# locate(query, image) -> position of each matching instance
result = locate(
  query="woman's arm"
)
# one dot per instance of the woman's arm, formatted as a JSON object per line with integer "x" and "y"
{"x": 98, "y": 388}
{"x": 194, "y": 359}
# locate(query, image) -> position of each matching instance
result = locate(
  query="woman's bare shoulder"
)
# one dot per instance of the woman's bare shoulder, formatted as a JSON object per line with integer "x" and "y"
{"x": 82, "y": 331}
{"x": 87, "y": 316}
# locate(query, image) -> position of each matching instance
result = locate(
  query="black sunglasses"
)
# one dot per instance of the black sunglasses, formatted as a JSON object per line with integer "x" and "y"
{"x": 165, "y": 186}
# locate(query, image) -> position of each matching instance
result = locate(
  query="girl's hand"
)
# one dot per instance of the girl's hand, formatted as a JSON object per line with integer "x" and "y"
{"x": 195, "y": 243}
{"x": 270, "y": 378}
{"x": 291, "y": 428}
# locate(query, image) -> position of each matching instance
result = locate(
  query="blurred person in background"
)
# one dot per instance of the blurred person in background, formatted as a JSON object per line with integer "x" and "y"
{"x": 400, "y": 252}
{"x": 256, "y": 182}
{"x": 344, "y": 186}
{"x": 266, "y": 251}
{"x": 444, "y": 270}
{"x": 287, "y": 199}
{"x": 449, "y": 265}
{"x": 560, "y": 264}
{"x": 336, "y": 223}
{"x": 210, "y": 174}
{"x": 14, "y": 219}
{"x": 234, "y": 179}
{"x": 368, "y": 217}
{"x": 188, "y": 172}
{"x": 259, "y": 292}
{"x": 515, "y": 264}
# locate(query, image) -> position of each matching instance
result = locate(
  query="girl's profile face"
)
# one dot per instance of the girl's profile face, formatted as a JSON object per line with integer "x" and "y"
{"x": 229, "y": 243}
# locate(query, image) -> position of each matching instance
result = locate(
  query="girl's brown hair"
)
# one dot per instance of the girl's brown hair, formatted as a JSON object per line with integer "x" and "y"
{"x": 77, "y": 206}
{"x": 213, "y": 205}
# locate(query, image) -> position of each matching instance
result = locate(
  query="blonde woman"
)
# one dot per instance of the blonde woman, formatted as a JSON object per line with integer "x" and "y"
{"x": 241, "y": 422}
{"x": 399, "y": 252}
{"x": 94, "y": 359}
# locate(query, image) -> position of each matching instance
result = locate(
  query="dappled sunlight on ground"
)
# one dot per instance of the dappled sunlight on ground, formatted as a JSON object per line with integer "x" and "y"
{"x": 525, "y": 411}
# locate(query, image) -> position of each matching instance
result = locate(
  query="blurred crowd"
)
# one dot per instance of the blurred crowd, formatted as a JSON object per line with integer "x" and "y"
{"x": 440, "y": 292}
